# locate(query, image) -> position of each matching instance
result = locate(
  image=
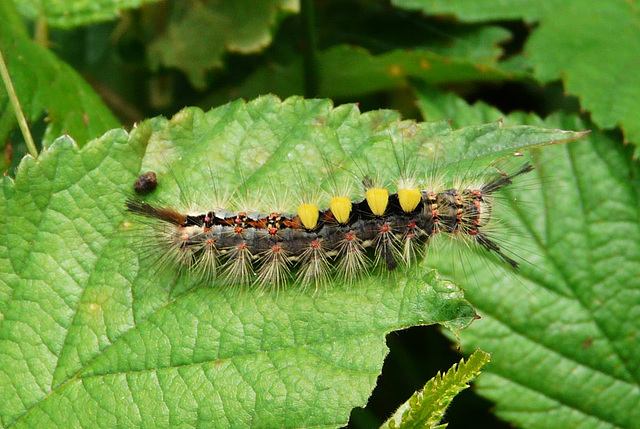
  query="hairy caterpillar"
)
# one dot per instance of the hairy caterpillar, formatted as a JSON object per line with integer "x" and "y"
{"x": 343, "y": 240}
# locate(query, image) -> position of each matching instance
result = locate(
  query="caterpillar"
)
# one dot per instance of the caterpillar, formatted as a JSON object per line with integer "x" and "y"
{"x": 312, "y": 245}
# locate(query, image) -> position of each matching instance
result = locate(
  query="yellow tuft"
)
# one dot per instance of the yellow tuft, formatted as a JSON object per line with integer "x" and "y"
{"x": 341, "y": 208}
{"x": 378, "y": 199}
{"x": 409, "y": 199}
{"x": 308, "y": 214}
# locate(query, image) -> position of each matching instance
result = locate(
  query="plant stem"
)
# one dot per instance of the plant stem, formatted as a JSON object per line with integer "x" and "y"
{"x": 41, "y": 33}
{"x": 310, "y": 50}
{"x": 15, "y": 103}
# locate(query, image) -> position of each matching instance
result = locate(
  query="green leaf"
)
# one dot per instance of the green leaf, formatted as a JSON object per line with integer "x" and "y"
{"x": 597, "y": 59}
{"x": 479, "y": 45}
{"x": 594, "y": 53}
{"x": 426, "y": 407}
{"x": 94, "y": 333}
{"x": 352, "y": 71}
{"x": 72, "y": 13}
{"x": 45, "y": 84}
{"x": 436, "y": 105}
{"x": 484, "y": 10}
{"x": 563, "y": 333}
{"x": 200, "y": 33}
{"x": 347, "y": 71}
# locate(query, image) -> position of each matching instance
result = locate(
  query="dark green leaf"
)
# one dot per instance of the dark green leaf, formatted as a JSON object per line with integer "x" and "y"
{"x": 563, "y": 333}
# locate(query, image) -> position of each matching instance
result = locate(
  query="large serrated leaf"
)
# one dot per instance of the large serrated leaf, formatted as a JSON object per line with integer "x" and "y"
{"x": 93, "y": 334}
{"x": 564, "y": 339}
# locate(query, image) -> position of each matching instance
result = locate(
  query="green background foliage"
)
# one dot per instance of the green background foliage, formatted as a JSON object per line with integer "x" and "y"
{"x": 47, "y": 87}
{"x": 89, "y": 334}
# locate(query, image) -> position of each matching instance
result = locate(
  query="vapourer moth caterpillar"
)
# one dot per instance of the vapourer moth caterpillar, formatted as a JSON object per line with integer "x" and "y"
{"x": 267, "y": 201}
